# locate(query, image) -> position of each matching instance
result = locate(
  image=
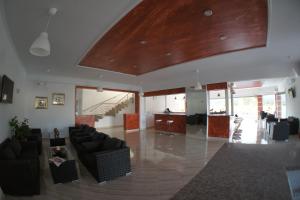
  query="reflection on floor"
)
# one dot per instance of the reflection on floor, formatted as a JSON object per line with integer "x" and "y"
{"x": 161, "y": 166}
{"x": 196, "y": 131}
{"x": 251, "y": 131}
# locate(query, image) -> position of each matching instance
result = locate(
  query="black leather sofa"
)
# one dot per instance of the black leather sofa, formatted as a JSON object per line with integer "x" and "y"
{"x": 294, "y": 125}
{"x": 36, "y": 136}
{"x": 19, "y": 168}
{"x": 292, "y": 122}
{"x": 105, "y": 158}
{"x": 281, "y": 130}
{"x": 197, "y": 119}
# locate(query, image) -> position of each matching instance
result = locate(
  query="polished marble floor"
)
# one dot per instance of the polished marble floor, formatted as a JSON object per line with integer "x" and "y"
{"x": 161, "y": 165}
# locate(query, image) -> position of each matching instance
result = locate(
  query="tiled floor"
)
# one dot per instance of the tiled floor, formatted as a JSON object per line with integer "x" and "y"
{"x": 161, "y": 165}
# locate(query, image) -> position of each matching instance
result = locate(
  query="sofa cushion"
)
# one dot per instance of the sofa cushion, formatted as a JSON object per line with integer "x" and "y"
{"x": 111, "y": 144}
{"x": 99, "y": 136}
{"x": 7, "y": 153}
{"x": 82, "y": 139}
{"x": 92, "y": 146}
{"x": 16, "y": 147}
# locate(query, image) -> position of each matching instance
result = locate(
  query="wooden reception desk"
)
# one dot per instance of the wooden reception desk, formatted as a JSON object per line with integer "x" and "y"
{"x": 219, "y": 126}
{"x": 170, "y": 122}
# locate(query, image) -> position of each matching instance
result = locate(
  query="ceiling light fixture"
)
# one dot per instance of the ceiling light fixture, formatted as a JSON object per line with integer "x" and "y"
{"x": 168, "y": 54}
{"x": 143, "y": 42}
{"x": 208, "y": 12}
{"x": 41, "y": 45}
{"x": 223, "y": 37}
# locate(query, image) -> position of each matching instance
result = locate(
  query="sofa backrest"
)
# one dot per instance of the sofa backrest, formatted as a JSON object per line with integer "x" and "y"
{"x": 113, "y": 144}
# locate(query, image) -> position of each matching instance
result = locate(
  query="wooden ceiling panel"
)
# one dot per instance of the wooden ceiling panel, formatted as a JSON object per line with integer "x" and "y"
{"x": 158, "y": 34}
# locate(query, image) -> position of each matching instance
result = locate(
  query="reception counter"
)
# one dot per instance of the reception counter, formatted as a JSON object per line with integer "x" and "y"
{"x": 219, "y": 126}
{"x": 170, "y": 122}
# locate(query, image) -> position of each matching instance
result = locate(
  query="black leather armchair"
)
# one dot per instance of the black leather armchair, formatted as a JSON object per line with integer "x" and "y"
{"x": 281, "y": 131}
{"x": 105, "y": 160}
{"x": 294, "y": 125}
{"x": 20, "y": 175}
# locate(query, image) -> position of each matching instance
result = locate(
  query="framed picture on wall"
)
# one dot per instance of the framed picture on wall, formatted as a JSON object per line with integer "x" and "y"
{"x": 41, "y": 103}
{"x": 58, "y": 99}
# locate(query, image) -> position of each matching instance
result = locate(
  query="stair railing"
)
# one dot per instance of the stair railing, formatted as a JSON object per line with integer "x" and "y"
{"x": 105, "y": 106}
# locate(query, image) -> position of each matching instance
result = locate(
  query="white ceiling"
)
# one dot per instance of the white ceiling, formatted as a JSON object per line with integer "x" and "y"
{"x": 79, "y": 23}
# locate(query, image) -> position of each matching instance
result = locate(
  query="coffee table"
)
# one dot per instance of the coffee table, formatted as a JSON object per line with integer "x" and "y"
{"x": 66, "y": 171}
{"x": 57, "y": 142}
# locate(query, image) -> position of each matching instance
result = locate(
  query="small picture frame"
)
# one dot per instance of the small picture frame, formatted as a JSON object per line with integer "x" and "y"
{"x": 41, "y": 103}
{"x": 58, "y": 99}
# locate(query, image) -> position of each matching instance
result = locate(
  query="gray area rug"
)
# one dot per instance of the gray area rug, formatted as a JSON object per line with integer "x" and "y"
{"x": 244, "y": 172}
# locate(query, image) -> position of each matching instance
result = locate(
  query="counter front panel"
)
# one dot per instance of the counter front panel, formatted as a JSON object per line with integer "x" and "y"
{"x": 170, "y": 122}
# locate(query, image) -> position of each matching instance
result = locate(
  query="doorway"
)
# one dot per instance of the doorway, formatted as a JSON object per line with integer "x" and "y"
{"x": 105, "y": 108}
{"x": 246, "y": 108}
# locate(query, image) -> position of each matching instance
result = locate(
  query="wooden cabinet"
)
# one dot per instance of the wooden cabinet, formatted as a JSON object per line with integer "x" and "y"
{"x": 219, "y": 126}
{"x": 131, "y": 121}
{"x": 170, "y": 122}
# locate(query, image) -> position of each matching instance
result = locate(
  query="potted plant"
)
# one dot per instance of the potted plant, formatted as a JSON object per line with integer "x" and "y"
{"x": 13, "y": 124}
{"x": 19, "y": 130}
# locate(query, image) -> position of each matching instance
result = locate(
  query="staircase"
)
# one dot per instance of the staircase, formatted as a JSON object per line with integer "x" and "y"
{"x": 117, "y": 108}
{"x": 108, "y": 107}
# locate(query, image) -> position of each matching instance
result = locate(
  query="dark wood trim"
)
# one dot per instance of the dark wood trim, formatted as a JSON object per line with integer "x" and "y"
{"x": 164, "y": 92}
{"x": 219, "y": 126}
{"x": 137, "y": 102}
{"x": 217, "y": 86}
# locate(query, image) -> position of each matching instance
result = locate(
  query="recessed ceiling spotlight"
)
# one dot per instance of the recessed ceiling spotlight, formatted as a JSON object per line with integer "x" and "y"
{"x": 143, "y": 42}
{"x": 134, "y": 66}
{"x": 48, "y": 70}
{"x": 223, "y": 37}
{"x": 168, "y": 54}
{"x": 111, "y": 60}
{"x": 208, "y": 12}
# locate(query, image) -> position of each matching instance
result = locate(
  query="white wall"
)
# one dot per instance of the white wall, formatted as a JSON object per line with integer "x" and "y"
{"x": 11, "y": 66}
{"x": 293, "y": 104}
{"x": 196, "y": 102}
{"x": 55, "y": 116}
{"x": 60, "y": 117}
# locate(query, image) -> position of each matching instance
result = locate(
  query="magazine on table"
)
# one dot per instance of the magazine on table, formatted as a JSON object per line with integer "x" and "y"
{"x": 57, "y": 160}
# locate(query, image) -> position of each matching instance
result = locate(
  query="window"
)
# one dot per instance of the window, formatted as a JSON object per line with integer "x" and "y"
{"x": 269, "y": 104}
{"x": 217, "y": 102}
{"x": 176, "y": 102}
{"x": 157, "y": 104}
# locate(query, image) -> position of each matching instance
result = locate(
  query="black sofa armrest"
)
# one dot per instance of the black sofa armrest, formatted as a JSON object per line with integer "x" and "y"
{"x": 112, "y": 164}
{"x": 20, "y": 177}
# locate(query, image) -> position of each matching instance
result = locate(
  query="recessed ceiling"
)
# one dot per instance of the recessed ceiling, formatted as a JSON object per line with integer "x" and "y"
{"x": 157, "y": 34}
{"x": 78, "y": 25}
